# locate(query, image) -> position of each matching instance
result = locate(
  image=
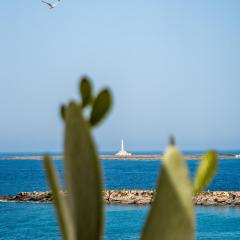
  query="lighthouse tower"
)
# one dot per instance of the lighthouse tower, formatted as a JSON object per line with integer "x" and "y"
{"x": 123, "y": 152}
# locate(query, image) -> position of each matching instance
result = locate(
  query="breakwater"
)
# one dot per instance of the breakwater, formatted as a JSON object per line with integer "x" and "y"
{"x": 136, "y": 197}
{"x": 115, "y": 157}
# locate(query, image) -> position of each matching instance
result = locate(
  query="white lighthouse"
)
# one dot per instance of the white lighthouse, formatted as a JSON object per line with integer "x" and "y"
{"x": 123, "y": 152}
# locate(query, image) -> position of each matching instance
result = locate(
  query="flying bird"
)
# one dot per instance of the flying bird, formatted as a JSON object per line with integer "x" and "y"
{"x": 52, "y": 5}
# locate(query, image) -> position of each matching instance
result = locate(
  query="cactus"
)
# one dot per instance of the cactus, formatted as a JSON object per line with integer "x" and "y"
{"x": 85, "y": 91}
{"x": 205, "y": 171}
{"x": 80, "y": 211}
{"x": 171, "y": 215}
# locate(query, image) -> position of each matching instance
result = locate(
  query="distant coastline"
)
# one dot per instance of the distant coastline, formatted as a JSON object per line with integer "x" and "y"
{"x": 115, "y": 157}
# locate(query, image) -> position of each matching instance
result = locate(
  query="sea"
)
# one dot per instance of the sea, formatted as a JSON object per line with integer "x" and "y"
{"x": 38, "y": 220}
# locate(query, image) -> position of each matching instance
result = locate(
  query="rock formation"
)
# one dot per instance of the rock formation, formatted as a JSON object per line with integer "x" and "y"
{"x": 136, "y": 197}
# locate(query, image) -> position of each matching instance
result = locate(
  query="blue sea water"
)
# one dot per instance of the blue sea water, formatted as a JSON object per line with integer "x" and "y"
{"x": 37, "y": 221}
{"x": 28, "y": 175}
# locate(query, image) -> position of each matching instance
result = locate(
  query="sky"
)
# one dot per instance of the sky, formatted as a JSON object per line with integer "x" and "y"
{"x": 173, "y": 68}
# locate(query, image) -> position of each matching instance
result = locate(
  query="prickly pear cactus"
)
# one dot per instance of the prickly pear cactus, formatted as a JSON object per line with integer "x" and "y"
{"x": 205, "y": 171}
{"x": 80, "y": 210}
{"x": 172, "y": 213}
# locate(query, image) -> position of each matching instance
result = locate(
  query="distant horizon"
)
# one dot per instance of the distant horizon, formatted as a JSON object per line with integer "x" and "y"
{"x": 115, "y": 151}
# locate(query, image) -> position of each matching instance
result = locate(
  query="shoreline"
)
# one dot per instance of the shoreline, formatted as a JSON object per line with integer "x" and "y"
{"x": 132, "y": 157}
{"x": 135, "y": 197}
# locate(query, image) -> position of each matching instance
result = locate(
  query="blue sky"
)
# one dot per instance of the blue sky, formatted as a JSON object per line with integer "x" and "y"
{"x": 173, "y": 67}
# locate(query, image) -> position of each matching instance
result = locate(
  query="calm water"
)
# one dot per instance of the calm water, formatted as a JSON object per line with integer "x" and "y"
{"x": 28, "y": 175}
{"x": 37, "y": 221}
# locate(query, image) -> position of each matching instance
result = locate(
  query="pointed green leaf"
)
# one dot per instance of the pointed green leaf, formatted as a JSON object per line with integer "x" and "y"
{"x": 171, "y": 215}
{"x": 86, "y": 91}
{"x": 205, "y": 171}
{"x": 82, "y": 176}
{"x": 60, "y": 203}
{"x": 101, "y": 106}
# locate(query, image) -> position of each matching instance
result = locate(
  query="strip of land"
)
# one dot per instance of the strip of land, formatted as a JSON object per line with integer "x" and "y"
{"x": 136, "y": 197}
{"x": 114, "y": 157}
{"x": 159, "y": 157}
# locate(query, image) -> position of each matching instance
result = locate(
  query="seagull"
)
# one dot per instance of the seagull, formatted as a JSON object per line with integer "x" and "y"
{"x": 52, "y": 5}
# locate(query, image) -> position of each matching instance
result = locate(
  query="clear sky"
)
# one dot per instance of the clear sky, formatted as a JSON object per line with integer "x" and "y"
{"x": 173, "y": 67}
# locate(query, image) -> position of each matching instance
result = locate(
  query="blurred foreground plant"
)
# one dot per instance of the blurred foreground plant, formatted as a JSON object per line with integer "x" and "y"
{"x": 80, "y": 210}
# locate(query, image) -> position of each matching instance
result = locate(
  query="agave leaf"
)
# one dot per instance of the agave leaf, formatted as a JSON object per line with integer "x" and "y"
{"x": 86, "y": 91}
{"x": 59, "y": 200}
{"x": 171, "y": 215}
{"x": 205, "y": 171}
{"x": 101, "y": 106}
{"x": 82, "y": 176}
